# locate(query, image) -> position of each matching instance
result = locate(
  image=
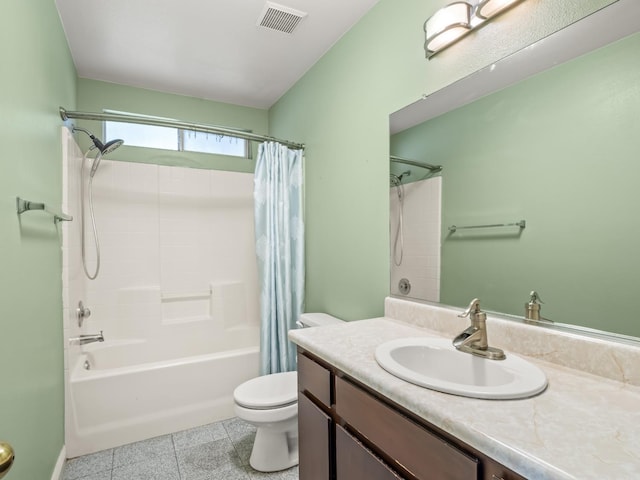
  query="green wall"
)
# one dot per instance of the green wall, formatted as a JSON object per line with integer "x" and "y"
{"x": 95, "y": 96}
{"x": 561, "y": 151}
{"x": 37, "y": 76}
{"x": 340, "y": 110}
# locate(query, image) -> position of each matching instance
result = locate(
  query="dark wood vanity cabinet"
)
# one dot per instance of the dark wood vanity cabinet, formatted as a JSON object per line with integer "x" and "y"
{"x": 348, "y": 432}
{"x": 315, "y": 420}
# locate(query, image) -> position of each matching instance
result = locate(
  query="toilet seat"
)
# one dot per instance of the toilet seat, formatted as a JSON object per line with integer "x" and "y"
{"x": 268, "y": 392}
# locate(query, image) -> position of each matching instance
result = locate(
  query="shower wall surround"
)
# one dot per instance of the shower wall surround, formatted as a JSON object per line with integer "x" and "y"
{"x": 177, "y": 247}
{"x": 74, "y": 283}
{"x": 422, "y": 225}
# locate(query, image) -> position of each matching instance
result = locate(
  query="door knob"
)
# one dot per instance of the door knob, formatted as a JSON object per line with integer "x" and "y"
{"x": 6, "y": 458}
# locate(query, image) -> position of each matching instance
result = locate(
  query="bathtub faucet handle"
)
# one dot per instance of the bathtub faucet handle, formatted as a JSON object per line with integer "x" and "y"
{"x": 82, "y": 312}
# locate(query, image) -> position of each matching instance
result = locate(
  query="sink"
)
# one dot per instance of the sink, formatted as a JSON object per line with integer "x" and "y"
{"x": 435, "y": 363}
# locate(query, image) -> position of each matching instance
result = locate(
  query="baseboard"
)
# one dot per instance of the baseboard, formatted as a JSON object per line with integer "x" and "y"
{"x": 58, "y": 469}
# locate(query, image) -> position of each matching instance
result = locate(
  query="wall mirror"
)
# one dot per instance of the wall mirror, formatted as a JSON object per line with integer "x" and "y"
{"x": 550, "y": 136}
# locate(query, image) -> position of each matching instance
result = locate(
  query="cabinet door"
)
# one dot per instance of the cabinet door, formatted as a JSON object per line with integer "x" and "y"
{"x": 314, "y": 436}
{"x": 355, "y": 462}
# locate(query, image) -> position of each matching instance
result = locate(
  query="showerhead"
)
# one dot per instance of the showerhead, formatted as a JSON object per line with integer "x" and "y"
{"x": 394, "y": 180}
{"x": 111, "y": 145}
{"x": 103, "y": 148}
{"x": 95, "y": 164}
{"x": 108, "y": 147}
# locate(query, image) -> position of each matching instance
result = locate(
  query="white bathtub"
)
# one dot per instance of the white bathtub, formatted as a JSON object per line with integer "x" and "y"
{"x": 138, "y": 389}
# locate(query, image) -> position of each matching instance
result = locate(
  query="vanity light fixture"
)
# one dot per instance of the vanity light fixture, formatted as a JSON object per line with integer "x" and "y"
{"x": 487, "y": 9}
{"x": 447, "y": 25}
{"x": 454, "y": 21}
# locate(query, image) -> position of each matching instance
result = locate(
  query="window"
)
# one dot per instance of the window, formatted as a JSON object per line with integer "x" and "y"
{"x": 213, "y": 143}
{"x": 176, "y": 139}
{"x": 137, "y": 135}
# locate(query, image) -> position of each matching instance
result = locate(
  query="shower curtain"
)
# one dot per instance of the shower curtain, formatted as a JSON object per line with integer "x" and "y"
{"x": 280, "y": 252}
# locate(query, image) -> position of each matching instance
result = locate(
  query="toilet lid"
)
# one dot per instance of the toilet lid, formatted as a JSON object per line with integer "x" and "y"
{"x": 268, "y": 391}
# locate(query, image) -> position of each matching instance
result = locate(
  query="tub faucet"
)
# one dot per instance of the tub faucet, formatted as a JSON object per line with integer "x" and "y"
{"x": 474, "y": 339}
{"x": 84, "y": 339}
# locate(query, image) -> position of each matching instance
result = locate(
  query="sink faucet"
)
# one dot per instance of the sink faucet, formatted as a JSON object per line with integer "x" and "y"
{"x": 84, "y": 339}
{"x": 474, "y": 339}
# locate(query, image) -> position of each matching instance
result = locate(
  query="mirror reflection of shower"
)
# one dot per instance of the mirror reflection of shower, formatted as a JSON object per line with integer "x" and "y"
{"x": 102, "y": 150}
{"x": 414, "y": 228}
{"x": 395, "y": 181}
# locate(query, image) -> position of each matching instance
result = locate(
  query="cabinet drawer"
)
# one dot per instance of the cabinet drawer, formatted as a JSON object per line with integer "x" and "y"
{"x": 411, "y": 446}
{"x": 355, "y": 462}
{"x": 314, "y": 379}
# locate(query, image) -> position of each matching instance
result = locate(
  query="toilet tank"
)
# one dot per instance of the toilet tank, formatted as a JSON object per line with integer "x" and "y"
{"x": 316, "y": 320}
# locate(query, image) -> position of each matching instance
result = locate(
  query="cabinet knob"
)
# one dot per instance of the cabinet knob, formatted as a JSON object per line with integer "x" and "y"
{"x": 493, "y": 477}
{"x": 6, "y": 458}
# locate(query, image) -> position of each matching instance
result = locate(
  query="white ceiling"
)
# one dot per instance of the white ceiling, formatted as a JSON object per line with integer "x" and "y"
{"x": 203, "y": 48}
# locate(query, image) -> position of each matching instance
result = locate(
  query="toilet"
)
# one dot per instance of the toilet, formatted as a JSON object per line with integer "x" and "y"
{"x": 270, "y": 403}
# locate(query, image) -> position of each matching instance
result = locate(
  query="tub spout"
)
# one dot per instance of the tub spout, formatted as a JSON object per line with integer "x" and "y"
{"x": 84, "y": 339}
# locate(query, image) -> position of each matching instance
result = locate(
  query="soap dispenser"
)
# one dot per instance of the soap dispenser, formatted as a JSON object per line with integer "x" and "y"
{"x": 532, "y": 309}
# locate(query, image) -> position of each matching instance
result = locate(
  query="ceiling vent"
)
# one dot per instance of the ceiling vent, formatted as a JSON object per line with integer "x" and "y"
{"x": 280, "y": 18}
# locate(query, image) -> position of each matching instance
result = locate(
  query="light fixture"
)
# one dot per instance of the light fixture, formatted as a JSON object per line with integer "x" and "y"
{"x": 447, "y": 25}
{"x": 454, "y": 21}
{"x": 490, "y": 8}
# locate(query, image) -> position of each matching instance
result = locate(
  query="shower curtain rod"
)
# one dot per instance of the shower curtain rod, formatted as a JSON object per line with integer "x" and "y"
{"x": 163, "y": 122}
{"x": 434, "y": 168}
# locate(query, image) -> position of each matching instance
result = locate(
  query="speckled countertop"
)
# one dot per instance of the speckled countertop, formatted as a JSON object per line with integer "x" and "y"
{"x": 583, "y": 426}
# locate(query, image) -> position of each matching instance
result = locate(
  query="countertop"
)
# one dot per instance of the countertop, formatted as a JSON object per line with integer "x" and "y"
{"x": 582, "y": 426}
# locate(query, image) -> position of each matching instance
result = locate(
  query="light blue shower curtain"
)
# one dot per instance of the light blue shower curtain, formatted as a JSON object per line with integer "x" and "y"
{"x": 280, "y": 252}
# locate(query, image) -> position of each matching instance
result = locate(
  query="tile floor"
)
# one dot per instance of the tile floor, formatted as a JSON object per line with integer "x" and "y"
{"x": 219, "y": 451}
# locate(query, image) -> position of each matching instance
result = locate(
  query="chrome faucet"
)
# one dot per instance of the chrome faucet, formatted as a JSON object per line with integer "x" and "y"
{"x": 84, "y": 339}
{"x": 474, "y": 339}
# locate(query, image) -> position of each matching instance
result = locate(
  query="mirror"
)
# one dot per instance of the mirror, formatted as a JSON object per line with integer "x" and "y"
{"x": 550, "y": 136}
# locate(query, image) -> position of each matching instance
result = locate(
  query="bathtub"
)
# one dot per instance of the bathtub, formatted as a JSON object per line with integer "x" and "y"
{"x": 136, "y": 389}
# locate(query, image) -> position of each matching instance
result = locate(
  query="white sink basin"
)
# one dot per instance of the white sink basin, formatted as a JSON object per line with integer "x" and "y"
{"x": 435, "y": 363}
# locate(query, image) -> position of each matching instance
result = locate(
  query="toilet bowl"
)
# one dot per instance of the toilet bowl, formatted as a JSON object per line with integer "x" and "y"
{"x": 270, "y": 403}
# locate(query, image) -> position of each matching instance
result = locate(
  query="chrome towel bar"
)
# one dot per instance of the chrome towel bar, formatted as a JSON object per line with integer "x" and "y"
{"x": 26, "y": 205}
{"x": 522, "y": 224}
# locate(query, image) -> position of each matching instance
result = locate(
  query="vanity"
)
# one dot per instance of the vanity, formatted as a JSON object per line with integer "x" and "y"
{"x": 357, "y": 421}
{"x": 350, "y": 432}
